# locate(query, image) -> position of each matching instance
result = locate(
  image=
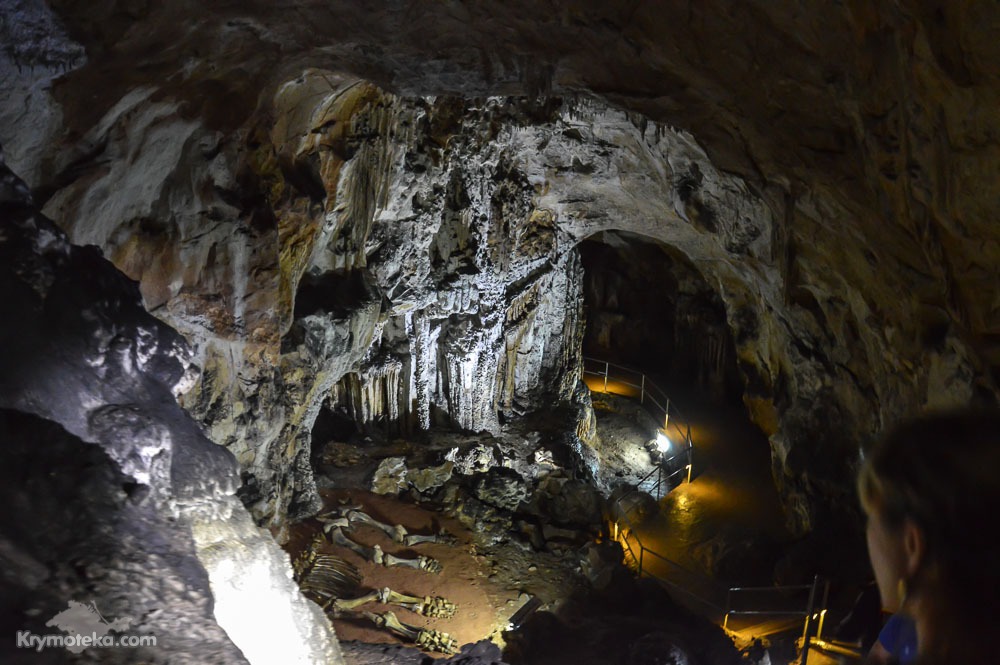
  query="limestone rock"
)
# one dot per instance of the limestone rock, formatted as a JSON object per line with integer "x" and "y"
{"x": 599, "y": 562}
{"x": 390, "y": 476}
{"x": 658, "y": 649}
{"x": 479, "y": 653}
{"x": 430, "y": 478}
{"x": 142, "y": 507}
{"x": 500, "y": 487}
{"x": 830, "y": 171}
{"x": 478, "y": 458}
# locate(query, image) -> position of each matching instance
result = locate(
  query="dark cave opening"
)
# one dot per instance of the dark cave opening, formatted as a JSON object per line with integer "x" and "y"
{"x": 333, "y": 425}
{"x": 649, "y": 308}
{"x": 335, "y": 293}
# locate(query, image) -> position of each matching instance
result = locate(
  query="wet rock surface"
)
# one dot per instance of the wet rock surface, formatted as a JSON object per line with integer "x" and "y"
{"x": 628, "y": 622}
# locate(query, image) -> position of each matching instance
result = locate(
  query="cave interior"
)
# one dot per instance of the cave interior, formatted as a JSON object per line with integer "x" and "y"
{"x": 305, "y": 301}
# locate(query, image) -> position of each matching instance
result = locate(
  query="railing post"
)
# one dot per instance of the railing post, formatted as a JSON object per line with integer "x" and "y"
{"x": 822, "y": 613}
{"x": 642, "y": 389}
{"x": 607, "y": 370}
{"x": 809, "y": 613}
{"x": 729, "y": 605}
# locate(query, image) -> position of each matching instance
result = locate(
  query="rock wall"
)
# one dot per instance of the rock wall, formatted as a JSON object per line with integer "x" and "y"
{"x": 370, "y": 260}
{"x": 299, "y": 225}
{"x": 416, "y": 259}
{"x": 114, "y": 495}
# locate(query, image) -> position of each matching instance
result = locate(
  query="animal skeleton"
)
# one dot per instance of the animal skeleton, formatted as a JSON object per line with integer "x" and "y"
{"x": 330, "y": 581}
{"x": 430, "y": 640}
{"x": 334, "y": 523}
{"x": 376, "y": 555}
{"x": 344, "y": 518}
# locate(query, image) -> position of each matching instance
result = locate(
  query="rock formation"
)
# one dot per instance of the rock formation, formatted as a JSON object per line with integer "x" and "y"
{"x": 380, "y": 205}
{"x": 114, "y": 497}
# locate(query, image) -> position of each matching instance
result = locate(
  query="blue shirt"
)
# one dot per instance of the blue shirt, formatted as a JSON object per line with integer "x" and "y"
{"x": 899, "y": 638}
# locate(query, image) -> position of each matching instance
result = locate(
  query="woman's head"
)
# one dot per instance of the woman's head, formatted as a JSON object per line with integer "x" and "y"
{"x": 931, "y": 490}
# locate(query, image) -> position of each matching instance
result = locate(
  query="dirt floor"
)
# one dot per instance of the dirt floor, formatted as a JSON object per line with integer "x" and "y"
{"x": 487, "y": 585}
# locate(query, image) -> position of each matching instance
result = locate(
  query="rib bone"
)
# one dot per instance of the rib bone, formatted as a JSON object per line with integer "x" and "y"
{"x": 327, "y": 579}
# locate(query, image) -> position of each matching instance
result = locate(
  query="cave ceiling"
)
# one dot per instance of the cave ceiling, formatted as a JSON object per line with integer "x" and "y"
{"x": 833, "y": 168}
{"x": 889, "y": 107}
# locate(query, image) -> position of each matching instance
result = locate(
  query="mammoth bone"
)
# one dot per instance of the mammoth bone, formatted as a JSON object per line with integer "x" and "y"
{"x": 351, "y": 515}
{"x": 334, "y": 583}
{"x": 376, "y": 555}
{"x": 429, "y": 640}
{"x": 428, "y": 606}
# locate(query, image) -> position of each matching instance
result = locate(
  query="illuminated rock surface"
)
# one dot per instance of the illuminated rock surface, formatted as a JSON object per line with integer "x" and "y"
{"x": 380, "y": 206}
{"x": 832, "y": 182}
{"x": 114, "y": 495}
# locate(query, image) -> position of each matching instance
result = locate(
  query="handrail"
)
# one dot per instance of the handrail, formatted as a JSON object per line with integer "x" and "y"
{"x": 642, "y": 570}
{"x": 811, "y": 612}
{"x": 662, "y": 480}
{"x": 787, "y": 587}
{"x": 671, "y": 417}
{"x": 647, "y": 390}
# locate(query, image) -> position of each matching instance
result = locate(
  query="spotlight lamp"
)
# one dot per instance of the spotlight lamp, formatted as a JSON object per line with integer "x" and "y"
{"x": 662, "y": 442}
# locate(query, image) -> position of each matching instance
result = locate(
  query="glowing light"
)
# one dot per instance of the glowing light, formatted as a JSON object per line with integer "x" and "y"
{"x": 662, "y": 442}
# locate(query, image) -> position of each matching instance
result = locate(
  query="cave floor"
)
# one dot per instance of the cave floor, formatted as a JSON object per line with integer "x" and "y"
{"x": 724, "y": 528}
{"x": 731, "y": 499}
{"x": 487, "y": 584}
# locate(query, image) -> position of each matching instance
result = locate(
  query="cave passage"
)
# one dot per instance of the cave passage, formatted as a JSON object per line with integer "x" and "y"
{"x": 647, "y": 308}
{"x": 650, "y": 309}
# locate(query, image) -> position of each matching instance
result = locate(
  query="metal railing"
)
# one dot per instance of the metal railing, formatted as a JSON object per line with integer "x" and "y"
{"x": 660, "y": 481}
{"x": 628, "y": 382}
{"x": 640, "y": 556}
{"x": 813, "y": 613}
{"x": 632, "y": 383}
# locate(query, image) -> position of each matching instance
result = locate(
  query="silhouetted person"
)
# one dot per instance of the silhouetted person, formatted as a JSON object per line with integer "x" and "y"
{"x": 931, "y": 492}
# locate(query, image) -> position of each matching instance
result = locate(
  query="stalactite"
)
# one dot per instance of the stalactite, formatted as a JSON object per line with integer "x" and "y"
{"x": 372, "y": 395}
{"x": 417, "y": 330}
